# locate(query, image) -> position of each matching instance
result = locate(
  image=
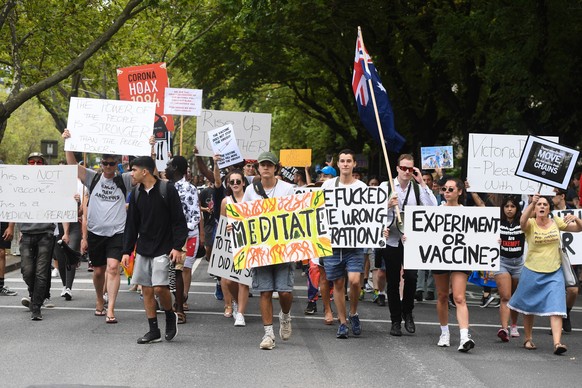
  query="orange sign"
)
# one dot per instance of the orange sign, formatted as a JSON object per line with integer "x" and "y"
{"x": 146, "y": 83}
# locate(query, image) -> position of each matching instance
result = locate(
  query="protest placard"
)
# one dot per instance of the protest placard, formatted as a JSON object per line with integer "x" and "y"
{"x": 547, "y": 162}
{"x": 436, "y": 157}
{"x": 451, "y": 238}
{"x": 38, "y": 193}
{"x": 146, "y": 83}
{"x": 183, "y": 102}
{"x": 221, "y": 259}
{"x": 288, "y": 173}
{"x": 252, "y": 131}
{"x": 492, "y": 162}
{"x": 110, "y": 126}
{"x": 295, "y": 158}
{"x": 572, "y": 242}
{"x": 356, "y": 216}
{"x": 279, "y": 230}
{"x": 224, "y": 143}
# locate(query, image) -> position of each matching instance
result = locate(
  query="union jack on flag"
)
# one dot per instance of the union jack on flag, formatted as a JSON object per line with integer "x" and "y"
{"x": 364, "y": 70}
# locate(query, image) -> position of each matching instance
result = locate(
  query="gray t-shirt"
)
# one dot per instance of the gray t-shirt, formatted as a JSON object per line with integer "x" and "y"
{"x": 106, "y": 214}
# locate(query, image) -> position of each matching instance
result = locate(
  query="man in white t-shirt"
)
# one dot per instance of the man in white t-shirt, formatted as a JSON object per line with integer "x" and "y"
{"x": 345, "y": 259}
{"x": 279, "y": 277}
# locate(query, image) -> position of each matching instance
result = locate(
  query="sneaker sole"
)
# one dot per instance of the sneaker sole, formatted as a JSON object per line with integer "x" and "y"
{"x": 342, "y": 336}
{"x": 150, "y": 342}
{"x": 239, "y": 324}
{"x": 443, "y": 345}
{"x": 267, "y": 347}
{"x": 467, "y": 346}
{"x": 503, "y": 337}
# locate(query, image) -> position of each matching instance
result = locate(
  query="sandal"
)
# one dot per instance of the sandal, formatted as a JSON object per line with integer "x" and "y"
{"x": 560, "y": 348}
{"x": 227, "y": 313}
{"x": 529, "y": 345}
{"x": 100, "y": 313}
{"x": 181, "y": 317}
{"x": 109, "y": 319}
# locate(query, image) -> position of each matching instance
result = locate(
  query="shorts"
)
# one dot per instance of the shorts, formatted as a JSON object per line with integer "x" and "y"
{"x": 209, "y": 234}
{"x": 102, "y": 248}
{"x": 3, "y": 243}
{"x": 191, "y": 249}
{"x": 279, "y": 277}
{"x": 342, "y": 260}
{"x": 511, "y": 266}
{"x": 445, "y": 272}
{"x": 151, "y": 271}
{"x": 374, "y": 262}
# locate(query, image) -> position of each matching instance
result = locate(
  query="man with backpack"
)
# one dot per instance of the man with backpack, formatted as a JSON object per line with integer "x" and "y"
{"x": 103, "y": 234}
{"x": 410, "y": 190}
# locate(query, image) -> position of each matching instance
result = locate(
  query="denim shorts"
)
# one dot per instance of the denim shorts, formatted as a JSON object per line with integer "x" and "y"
{"x": 511, "y": 266}
{"x": 342, "y": 260}
{"x": 151, "y": 271}
{"x": 277, "y": 277}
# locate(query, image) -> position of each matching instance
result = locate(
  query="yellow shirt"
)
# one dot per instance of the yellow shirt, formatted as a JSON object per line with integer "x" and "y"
{"x": 542, "y": 246}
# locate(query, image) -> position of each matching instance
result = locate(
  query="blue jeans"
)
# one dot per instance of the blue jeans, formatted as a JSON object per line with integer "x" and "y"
{"x": 36, "y": 253}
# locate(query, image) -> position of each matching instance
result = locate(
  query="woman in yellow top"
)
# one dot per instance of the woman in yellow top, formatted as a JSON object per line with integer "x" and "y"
{"x": 541, "y": 289}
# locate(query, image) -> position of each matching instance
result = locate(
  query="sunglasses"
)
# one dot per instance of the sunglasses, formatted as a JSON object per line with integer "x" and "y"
{"x": 404, "y": 168}
{"x": 235, "y": 181}
{"x": 110, "y": 164}
{"x": 33, "y": 162}
{"x": 448, "y": 189}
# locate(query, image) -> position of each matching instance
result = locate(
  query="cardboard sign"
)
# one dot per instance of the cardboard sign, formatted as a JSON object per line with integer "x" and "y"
{"x": 547, "y": 162}
{"x": 183, "y": 102}
{"x": 451, "y": 238}
{"x": 145, "y": 83}
{"x": 356, "y": 216}
{"x": 572, "y": 242}
{"x": 110, "y": 126}
{"x": 492, "y": 162}
{"x": 224, "y": 143}
{"x": 221, "y": 260}
{"x": 252, "y": 131}
{"x": 436, "y": 157}
{"x": 34, "y": 194}
{"x": 279, "y": 230}
{"x": 295, "y": 158}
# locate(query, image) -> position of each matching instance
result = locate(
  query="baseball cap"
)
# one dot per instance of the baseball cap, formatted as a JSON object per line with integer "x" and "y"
{"x": 329, "y": 170}
{"x": 268, "y": 157}
{"x": 36, "y": 155}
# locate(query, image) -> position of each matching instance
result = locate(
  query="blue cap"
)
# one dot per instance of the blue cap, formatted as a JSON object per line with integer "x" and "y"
{"x": 328, "y": 170}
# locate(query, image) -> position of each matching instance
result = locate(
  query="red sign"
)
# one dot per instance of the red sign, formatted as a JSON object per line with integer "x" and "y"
{"x": 145, "y": 83}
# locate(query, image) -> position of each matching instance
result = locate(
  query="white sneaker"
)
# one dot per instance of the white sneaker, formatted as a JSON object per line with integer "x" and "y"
{"x": 275, "y": 295}
{"x": 63, "y": 292}
{"x": 445, "y": 340}
{"x": 466, "y": 344}
{"x": 239, "y": 320}
{"x": 55, "y": 273}
{"x": 25, "y": 301}
{"x": 235, "y": 311}
{"x": 106, "y": 298}
{"x": 267, "y": 343}
{"x": 285, "y": 327}
{"x": 514, "y": 332}
{"x": 48, "y": 303}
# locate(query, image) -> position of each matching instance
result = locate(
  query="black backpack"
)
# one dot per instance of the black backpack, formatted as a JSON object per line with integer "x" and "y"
{"x": 117, "y": 179}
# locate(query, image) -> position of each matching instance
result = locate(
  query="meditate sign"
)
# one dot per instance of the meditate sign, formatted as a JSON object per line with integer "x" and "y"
{"x": 356, "y": 216}
{"x": 451, "y": 238}
{"x": 221, "y": 259}
{"x": 36, "y": 194}
{"x": 110, "y": 126}
{"x": 278, "y": 230}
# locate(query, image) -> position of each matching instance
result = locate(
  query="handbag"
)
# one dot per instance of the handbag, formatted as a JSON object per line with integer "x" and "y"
{"x": 570, "y": 277}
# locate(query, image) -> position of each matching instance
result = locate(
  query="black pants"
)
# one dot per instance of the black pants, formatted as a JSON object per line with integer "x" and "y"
{"x": 393, "y": 258}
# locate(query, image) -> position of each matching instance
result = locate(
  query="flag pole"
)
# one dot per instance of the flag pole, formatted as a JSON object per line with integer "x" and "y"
{"x": 181, "y": 132}
{"x": 380, "y": 132}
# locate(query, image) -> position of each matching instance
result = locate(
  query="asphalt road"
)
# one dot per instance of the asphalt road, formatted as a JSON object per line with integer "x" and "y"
{"x": 72, "y": 347}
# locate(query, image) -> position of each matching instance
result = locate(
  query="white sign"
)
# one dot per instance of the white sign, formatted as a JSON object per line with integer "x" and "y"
{"x": 34, "y": 194}
{"x": 356, "y": 216}
{"x": 492, "y": 162}
{"x": 110, "y": 126}
{"x": 252, "y": 131}
{"x": 221, "y": 261}
{"x": 224, "y": 144}
{"x": 451, "y": 238}
{"x": 183, "y": 102}
{"x": 572, "y": 242}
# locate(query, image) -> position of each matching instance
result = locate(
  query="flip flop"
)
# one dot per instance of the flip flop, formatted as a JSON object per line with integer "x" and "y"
{"x": 560, "y": 348}
{"x": 110, "y": 320}
{"x": 181, "y": 317}
{"x": 529, "y": 345}
{"x": 100, "y": 313}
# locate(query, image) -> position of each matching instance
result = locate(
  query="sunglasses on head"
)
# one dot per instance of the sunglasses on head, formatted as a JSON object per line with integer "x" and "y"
{"x": 110, "y": 164}
{"x": 33, "y": 162}
{"x": 235, "y": 181}
{"x": 404, "y": 168}
{"x": 448, "y": 189}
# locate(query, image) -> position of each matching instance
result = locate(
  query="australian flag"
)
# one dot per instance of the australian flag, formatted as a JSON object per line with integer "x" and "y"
{"x": 364, "y": 70}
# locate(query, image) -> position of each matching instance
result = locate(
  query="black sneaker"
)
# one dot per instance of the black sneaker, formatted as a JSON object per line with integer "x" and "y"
{"x": 381, "y": 300}
{"x": 566, "y": 324}
{"x": 36, "y": 315}
{"x": 171, "y": 327}
{"x": 150, "y": 337}
{"x": 418, "y": 296}
{"x": 396, "y": 329}
{"x": 430, "y": 295}
{"x": 486, "y": 300}
{"x": 311, "y": 308}
{"x": 409, "y": 323}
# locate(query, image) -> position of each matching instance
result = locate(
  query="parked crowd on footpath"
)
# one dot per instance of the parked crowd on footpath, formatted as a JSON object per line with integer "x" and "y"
{"x": 161, "y": 222}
